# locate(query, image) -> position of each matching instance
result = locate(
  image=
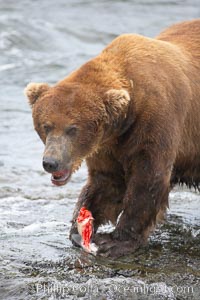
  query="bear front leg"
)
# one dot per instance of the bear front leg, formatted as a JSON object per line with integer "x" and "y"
{"x": 146, "y": 196}
{"x": 103, "y": 196}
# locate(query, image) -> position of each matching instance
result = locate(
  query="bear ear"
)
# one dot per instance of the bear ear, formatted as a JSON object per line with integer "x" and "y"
{"x": 34, "y": 90}
{"x": 117, "y": 102}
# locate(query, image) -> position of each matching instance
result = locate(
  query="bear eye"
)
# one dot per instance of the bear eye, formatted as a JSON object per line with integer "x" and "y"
{"x": 71, "y": 130}
{"x": 47, "y": 128}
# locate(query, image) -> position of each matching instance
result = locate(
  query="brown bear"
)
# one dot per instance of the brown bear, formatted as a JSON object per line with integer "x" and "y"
{"x": 133, "y": 113}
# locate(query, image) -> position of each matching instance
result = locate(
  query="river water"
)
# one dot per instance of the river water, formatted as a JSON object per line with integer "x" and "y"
{"x": 44, "y": 41}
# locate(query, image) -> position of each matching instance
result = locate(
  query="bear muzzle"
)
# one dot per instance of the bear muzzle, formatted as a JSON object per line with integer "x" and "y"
{"x": 57, "y": 159}
{"x": 58, "y": 177}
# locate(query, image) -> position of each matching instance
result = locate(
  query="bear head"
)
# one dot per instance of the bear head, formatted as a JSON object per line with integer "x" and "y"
{"x": 74, "y": 121}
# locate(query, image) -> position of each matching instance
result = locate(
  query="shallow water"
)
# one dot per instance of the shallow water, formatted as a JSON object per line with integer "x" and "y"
{"x": 44, "y": 41}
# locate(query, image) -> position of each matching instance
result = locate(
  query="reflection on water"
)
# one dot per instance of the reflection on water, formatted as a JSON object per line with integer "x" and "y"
{"x": 44, "y": 41}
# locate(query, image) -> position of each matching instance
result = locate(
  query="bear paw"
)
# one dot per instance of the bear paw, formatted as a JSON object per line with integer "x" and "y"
{"x": 112, "y": 248}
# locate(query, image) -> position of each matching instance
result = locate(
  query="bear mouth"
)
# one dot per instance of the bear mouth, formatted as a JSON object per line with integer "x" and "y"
{"x": 61, "y": 177}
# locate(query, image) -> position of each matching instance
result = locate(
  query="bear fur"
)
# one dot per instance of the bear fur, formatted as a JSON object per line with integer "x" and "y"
{"x": 133, "y": 113}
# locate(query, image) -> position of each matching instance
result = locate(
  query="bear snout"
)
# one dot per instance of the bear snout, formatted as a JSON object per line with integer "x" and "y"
{"x": 50, "y": 164}
{"x": 59, "y": 175}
